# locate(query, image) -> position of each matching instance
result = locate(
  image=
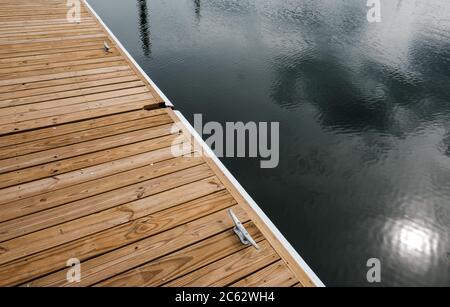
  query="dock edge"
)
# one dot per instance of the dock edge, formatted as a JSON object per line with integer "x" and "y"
{"x": 278, "y": 235}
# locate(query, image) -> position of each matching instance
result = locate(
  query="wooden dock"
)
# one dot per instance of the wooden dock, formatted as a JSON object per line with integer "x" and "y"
{"x": 87, "y": 171}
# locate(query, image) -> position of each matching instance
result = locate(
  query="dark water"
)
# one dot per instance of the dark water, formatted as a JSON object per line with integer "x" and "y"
{"x": 364, "y": 114}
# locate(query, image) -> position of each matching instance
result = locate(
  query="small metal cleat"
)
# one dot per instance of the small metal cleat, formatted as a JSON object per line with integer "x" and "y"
{"x": 241, "y": 232}
{"x": 106, "y": 47}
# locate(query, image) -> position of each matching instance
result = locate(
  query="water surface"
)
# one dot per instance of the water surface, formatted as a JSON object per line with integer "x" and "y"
{"x": 364, "y": 114}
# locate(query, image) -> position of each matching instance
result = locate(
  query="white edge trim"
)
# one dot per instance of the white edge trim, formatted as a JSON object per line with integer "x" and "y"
{"x": 316, "y": 280}
{"x": 167, "y": 102}
{"x": 222, "y": 167}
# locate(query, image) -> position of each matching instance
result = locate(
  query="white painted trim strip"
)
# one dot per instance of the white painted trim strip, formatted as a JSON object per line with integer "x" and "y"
{"x": 114, "y": 38}
{"x": 316, "y": 280}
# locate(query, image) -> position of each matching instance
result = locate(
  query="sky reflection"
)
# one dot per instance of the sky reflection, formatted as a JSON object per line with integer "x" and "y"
{"x": 413, "y": 243}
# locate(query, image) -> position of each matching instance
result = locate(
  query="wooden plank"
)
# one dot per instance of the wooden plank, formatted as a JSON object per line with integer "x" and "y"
{"x": 40, "y": 17}
{"x": 40, "y": 28}
{"x": 47, "y": 156}
{"x": 69, "y": 97}
{"x": 112, "y": 67}
{"x": 60, "y": 85}
{"x": 88, "y": 225}
{"x": 83, "y": 190}
{"x": 54, "y": 259}
{"x": 27, "y": 70}
{"x": 70, "y": 211}
{"x": 52, "y": 39}
{"x": 5, "y": 78}
{"x": 83, "y": 136}
{"x": 275, "y": 275}
{"x": 133, "y": 255}
{"x": 48, "y": 49}
{"x": 27, "y": 23}
{"x": 55, "y": 131}
{"x": 5, "y": 38}
{"x": 72, "y": 43}
{"x": 80, "y": 162}
{"x": 91, "y": 109}
{"x": 184, "y": 261}
{"x": 229, "y": 269}
{"x": 91, "y": 112}
{"x": 34, "y": 60}
{"x": 54, "y": 183}
{"x": 43, "y": 109}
